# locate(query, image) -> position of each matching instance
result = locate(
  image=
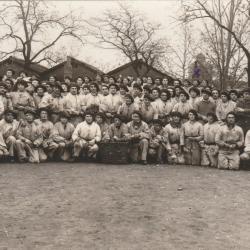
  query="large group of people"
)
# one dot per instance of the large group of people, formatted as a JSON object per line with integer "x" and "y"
{"x": 177, "y": 122}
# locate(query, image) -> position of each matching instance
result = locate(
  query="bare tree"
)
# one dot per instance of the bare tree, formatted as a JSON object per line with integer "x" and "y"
{"x": 232, "y": 21}
{"x": 131, "y": 34}
{"x": 32, "y": 29}
{"x": 182, "y": 53}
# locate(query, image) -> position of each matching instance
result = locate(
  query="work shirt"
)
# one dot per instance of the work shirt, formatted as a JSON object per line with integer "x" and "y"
{"x": 175, "y": 134}
{"x": 142, "y": 129}
{"x": 87, "y": 132}
{"x": 73, "y": 103}
{"x": 193, "y": 129}
{"x": 183, "y": 108}
{"x": 163, "y": 108}
{"x": 46, "y": 127}
{"x": 203, "y": 107}
{"x": 63, "y": 131}
{"x": 22, "y": 99}
{"x": 113, "y": 102}
{"x": 119, "y": 132}
{"x": 126, "y": 110}
{"x": 93, "y": 99}
{"x": 52, "y": 102}
{"x": 210, "y": 131}
{"x": 223, "y": 109}
{"x": 148, "y": 112}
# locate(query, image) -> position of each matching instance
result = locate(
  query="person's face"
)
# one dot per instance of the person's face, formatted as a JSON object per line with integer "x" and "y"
{"x": 23, "y": 75}
{"x": 171, "y": 92}
{"x": 86, "y": 80}
{"x": 193, "y": 94}
{"x": 185, "y": 83}
{"x": 64, "y": 87}
{"x": 176, "y": 119}
{"x": 44, "y": 115}
{"x": 149, "y": 80}
{"x": 147, "y": 101}
{"x": 52, "y": 79}
{"x": 89, "y": 119}
{"x": 246, "y": 95}
{"x": 9, "y": 73}
{"x": 122, "y": 91}
{"x": 21, "y": 87}
{"x": 2, "y": 90}
{"x": 136, "y": 92}
{"x": 56, "y": 90}
{"x": 106, "y": 79}
{"x": 157, "y": 127}
{"x": 98, "y": 78}
{"x": 155, "y": 94}
{"x": 164, "y": 81}
{"x": 105, "y": 90}
{"x": 195, "y": 83}
{"x": 9, "y": 117}
{"x": 93, "y": 89}
{"x": 164, "y": 96}
{"x": 128, "y": 101}
{"x": 67, "y": 80}
{"x": 40, "y": 92}
{"x": 205, "y": 96}
{"x": 210, "y": 119}
{"x": 125, "y": 81}
{"x": 64, "y": 120}
{"x": 29, "y": 117}
{"x": 177, "y": 91}
{"x": 8, "y": 84}
{"x": 111, "y": 80}
{"x": 231, "y": 119}
{"x": 144, "y": 79}
{"x": 233, "y": 97}
{"x": 224, "y": 98}
{"x": 112, "y": 90}
{"x": 73, "y": 90}
{"x": 49, "y": 88}
{"x": 191, "y": 116}
{"x": 157, "y": 81}
{"x": 35, "y": 83}
{"x": 176, "y": 83}
{"x": 136, "y": 118}
{"x": 99, "y": 119}
{"x": 85, "y": 91}
{"x": 117, "y": 122}
{"x": 79, "y": 81}
{"x": 146, "y": 92}
{"x": 203, "y": 83}
{"x": 183, "y": 98}
{"x": 138, "y": 80}
{"x": 215, "y": 94}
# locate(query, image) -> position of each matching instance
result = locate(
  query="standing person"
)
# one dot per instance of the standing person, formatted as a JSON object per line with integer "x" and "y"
{"x": 73, "y": 104}
{"x": 62, "y": 138}
{"x": 93, "y": 98}
{"x": 126, "y": 109}
{"x": 29, "y": 139}
{"x": 205, "y": 105}
{"x": 139, "y": 136}
{"x": 193, "y": 134}
{"x": 21, "y": 98}
{"x": 5, "y": 97}
{"x": 38, "y": 95}
{"x": 8, "y": 129}
{"x": 157, "y": 141}
{"x": 229, "y": 138}
{"x": 194, "y": 96}
{"x": 233, "y": 95}
{"x": 85, "y": 138}
{"x": 209, "y": 154}
{"x": 224, "y": 106}
{"x": 175, "y": 137}
{"x": 215, "y": 96}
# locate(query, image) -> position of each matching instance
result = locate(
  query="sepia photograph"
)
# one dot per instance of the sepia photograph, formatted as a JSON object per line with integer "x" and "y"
{"x": 124, "y": 125}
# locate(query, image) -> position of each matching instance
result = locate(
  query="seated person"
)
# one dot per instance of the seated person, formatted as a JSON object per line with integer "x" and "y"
{"x": 246, "y": 154}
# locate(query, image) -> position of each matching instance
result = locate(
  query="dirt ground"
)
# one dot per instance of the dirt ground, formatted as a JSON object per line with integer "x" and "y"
{"x": 90, "y": 206}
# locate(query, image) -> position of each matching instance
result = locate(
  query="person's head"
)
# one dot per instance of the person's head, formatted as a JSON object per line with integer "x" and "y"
{"x": 176, "y": 117}
{"x": 117, "y": 120}
{"x": 183, "y": 96}
{"x": 73, "y": 89}
{"x": 9, "y": 116}
{"x": 9, "y": 84}
{"x": 215, "y": 94}
{"x": 177, "y": 90}
{"x": 171, "y": 91}
{"x": 98, "y": 78}
{"x": 177, "y": 82}
{"x": 40, "y": 90}
{"x": 35, "y": 82}
{"x": 21, "y": 85}
{"x": 205, "y": 94}
{"x": 79, "y": 81}
{"x": 43, "y": 113}
{"x": 87, "y": 80}
{"x": 9, "y": 73}
{"x": 157, "y": 123}
{"x": 231, "y": 118}
{"x": 149, "y": 80}
{"x": 192, "y": 115}
{"x": 52, "y": 79}
{"x": 155, "y": 93}
{"x": 165, "y": 82}
{"x": 136, "y": 117}
{"x": 111, "y": 80}
{"x": 56, "y": 89}
{"x": 30, "y": 116}
{"x": 85, "y": 89}
{"x": 2, "y": 88}
{"x": 225, "y": 97}
{"x": 211, "y": 117}
{"x": 129, "y": 99}
{"x": 157, "y": 81}
{"x": 93, "y": 87}
{"x": 233, "y": 95}
{"x": 137, "y": 90}
{"x": 105, "y": 90}
{"x": 194, "y": 92}
{"x": 246, "y": 93}
{"x": 147, "y": 100}
{"x": 100, "y": 118}
{"x": 113, "y": 88}
{"x": 164, "y": 95}
{"x": 23, "y": 74}
{"x": 204, "y": 83}
{"x": 49, "y": 87}
{"x": 125, "y": 81}
{"x": 64, "y": 86}
{"x": 106, "y": 79}
{"x": 146, "y": 90}
{"x": 186, "y": 83}
{"x": 64, "y": 117}
{"x": 139, "y": 80}
{"x": 123, "y": 90}
{"x": 67, "y": 80}
{"x": 89, "y": 117}
{"x": 196, "y": 83}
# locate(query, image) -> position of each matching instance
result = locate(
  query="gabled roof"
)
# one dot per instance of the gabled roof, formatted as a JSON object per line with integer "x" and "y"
{"x": 134, "y": 62}
{"x": 34, "y": 67}
{"x": 74, "y": 60}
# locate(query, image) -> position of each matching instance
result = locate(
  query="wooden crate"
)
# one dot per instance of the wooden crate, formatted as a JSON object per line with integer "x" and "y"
{"x": 114, "y": 152}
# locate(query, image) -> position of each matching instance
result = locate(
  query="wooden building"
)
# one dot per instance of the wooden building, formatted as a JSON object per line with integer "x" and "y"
{"x": 17, "y": 65}
{"x": 72, "y": 68}
{"x": 138, "y": 68}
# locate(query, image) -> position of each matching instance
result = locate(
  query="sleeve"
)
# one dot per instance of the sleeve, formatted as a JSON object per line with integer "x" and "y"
{"x": 1, "y": 108}
{"x": 98, "y": 135}
{"x": 75, "y": 134}
{"x": 218, "y": 137}
{"x": 145, "y": 134}
{"x": 240, "y": 143}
